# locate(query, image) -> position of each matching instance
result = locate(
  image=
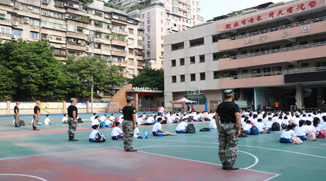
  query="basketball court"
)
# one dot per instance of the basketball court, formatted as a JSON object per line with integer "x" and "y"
{"x": 47, "y": 155}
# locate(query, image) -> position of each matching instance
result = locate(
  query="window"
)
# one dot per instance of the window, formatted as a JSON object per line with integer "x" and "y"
{"x": 162, "y": 14}
{"x": 131, "y": 51}
{"x": 162, "y": 45}
{"x": 215, "y": 57}
{"x": 142, "y": 24}
{"x": 148, "y": 14}
{"x": 162, "y": 38}
{"x": 149, "y": 46}
{"x": 161, "y": 21}
{"x": 305, "y": 67}
{"x": 5, "y": 30}
{"x": 106, "y": 58}
{"x": 34, "y": 35}
{"x": 245, "y": 73}
{"x": 182, "y": 78}
{"x": 131, "y": 61}
{"x": 130, "y": 41}
{"x": 290, "y": 69}
{"x": 217, "y": 75}
{"x": 35, "y": 22}
{"x": 202, "y": 76}
{"x": 16, "y": 32}
{"x": 215, "y": 38}
{"x": 174, "y": 79}
{"x": 192, "y": 77}
{"x": 173, "y": 63}
{"x": 149, "y": 38}
{"x": 148, "y": 30}
{"x": 131, "y": 31}
{"x": 162, "y": 54}
{"x": 177, "y": 46}
{"x": 161, "y": 29}
{"x": 182, "y": 61}
{"x": 202, "y": 58}
{"x": 192, "y": 60}
{"x": 90, "y": 12}
{"x": 197, "y": 42}
{"x": 142, "y": 15}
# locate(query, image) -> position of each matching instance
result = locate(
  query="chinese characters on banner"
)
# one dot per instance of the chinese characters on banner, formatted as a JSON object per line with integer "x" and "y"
{"x": 281, "y": 12}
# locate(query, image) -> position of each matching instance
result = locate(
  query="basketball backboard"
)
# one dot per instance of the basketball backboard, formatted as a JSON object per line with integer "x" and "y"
{"x": 193, "y": 91}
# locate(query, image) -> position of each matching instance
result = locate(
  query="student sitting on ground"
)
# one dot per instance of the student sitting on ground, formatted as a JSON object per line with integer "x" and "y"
{"x": 116, "y": 132}
{"x": 150, "y": 120}
{"x": 280, "y": 121}
{"x": 212, "y": 124}
{"x": 158, "y": 131}
{"x": 247, "y": 127}
{"x": 103, "y": 118}
{"x": 260, "y": 125}
{"x": 96, "y": 121}
{"x": 140, "y": 120}
{"x": 254, "y": 119}
{"x": 182, "y": 127}
{"x": 269, "y": 124}
{"x": 47, "y": 120}
{"x": 64, "y": 119}
{"x": 96, "y": 135}
{"x": 196, "y": 117}
{"x": 79, "y": 120}
{"x": 300, "y": 130}
{"x": 137, "y": 134}
{"x": 108, "y": 122}
{"x": 309, "y": 127}
{"x": 317, "y": 124}
{"x": 288, "y": 135}
{"x": 93, "y": 117}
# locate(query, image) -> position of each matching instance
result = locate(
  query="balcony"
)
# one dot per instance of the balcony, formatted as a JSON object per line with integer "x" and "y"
{"x": 119, "y": 21}
{"x": 118, "y": 53}
{"x": 97, "y": 51}
{"x": 315, "y": 74}
{"x": 4, "y": 36}
{"x": 288, "y": 54}
{"x": 77, "y": 35}
{"x": 230, "y": 82}
{"x": 122, "y": 64}
{"x": 70, "y": 10}
{"x": 118, "y": 42}
{"x": 119, "y": 31}
{"x": 139, "y": 57}
{"x": 303, "y": 28}
{"x": 5, "y": 21}
{"x": 76, "y": 47}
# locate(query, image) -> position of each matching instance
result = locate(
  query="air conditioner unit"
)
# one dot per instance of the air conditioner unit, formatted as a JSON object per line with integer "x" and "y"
{"x": 148, "y": 16}
{"x": 30, "y": 7}
{"x": 149, "y": 40}
{"x": 95, "y": 45}
{"x": 63, "y": 45}
{"x": 26, "y": 20}
{"x": 147, "y": 49}
{"x": 87, "y": 47}
{"x": 13, "y": 37}
{"x": 149, "y": 25}
{"x": 146, "y": 33}
{"x": 28, "y": 39}
{"x": 161, "y": 57}
{"x": 67, "y": 16}
{"x": 15, "y": 23}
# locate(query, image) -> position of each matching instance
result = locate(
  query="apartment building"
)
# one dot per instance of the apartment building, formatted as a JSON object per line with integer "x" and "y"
{"x": 66, "y": 24}
{"x": 267, "y": 54}
{"x": 159, "y": 18}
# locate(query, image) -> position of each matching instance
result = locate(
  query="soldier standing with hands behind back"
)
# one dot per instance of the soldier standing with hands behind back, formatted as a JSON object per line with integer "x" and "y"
{"x": 36, "y": 115}
{"x": 228, "y": 130}
{"x": 16, "y": 111}
{"x": 129, "y": 124}
{"x": 72, "y": 119}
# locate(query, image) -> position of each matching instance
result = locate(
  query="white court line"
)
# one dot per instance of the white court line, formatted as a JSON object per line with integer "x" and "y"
{"x": 256, "y": 159}
{"x": 276, "y": 175}
{"x": 23, "y": 175}
{"x": 306, "y": 154}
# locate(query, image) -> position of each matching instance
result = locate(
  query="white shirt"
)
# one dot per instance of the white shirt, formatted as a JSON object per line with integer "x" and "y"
{"x": 136, "y": 132}
{"x": 95, "y": 122}
{"x": 288, "y": 134}
{"x": 116, "y": 131}
{"x": 260, "y": 126}
{"x": 254, "y": 121}
{"x": 247, "y": 127}
{"x": 64, "y": 119}
{"x": 150, "y": 120}
{"x": 269, "y": 124}
{"x": 47, "y": 121}
{"x": 274, "y": 119}
{"x": 181, "y": 126}
{"x": 156, "y": 127}
{"x": 139, "y": 121}
{"x": 94, "y": 135}
{"x": 112, "y": 118}
{"x": 108, "y": 122}
{"x": 296, "y": 121}
{"x": 169, "y": 119}
{"x": 102, "y": 118}
{"x": 280, "y": 121}
{"x": 92, "y": 118}
{"x": 309, "y": 128}
{"x": 300, "y": 131}
{"x": 212, "y": 124}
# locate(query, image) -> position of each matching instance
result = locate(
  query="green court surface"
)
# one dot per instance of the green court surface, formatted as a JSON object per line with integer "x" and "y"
{"x": 261, "y": 153}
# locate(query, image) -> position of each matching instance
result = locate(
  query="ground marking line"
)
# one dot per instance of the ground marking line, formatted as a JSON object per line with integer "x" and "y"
{"x": 256, "y": 159}
{"x": 272, "y": 177}
{"x": 197, "y": 160}
{"x": 306, "y": 154}
{"x": 23, "y": 175}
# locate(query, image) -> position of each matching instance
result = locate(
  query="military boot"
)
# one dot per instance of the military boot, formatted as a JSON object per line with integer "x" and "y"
{"x": 72, "y": 138}
{"x": 231, "y": 168}
{"x": 35, "y": 129}
{"x": 17, "y": 125}
{"x": 131, "y": 150}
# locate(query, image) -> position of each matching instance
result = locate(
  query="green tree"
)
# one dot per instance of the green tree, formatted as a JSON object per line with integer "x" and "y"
{"x": 86, "y": 1}
{"x": 31, "y": 70}
{"x": 149, "y": 78}
{"x": 105, "y": 77}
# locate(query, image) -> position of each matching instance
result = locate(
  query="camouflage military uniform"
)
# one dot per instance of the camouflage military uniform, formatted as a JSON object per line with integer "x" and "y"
{"x": 128, "y": 134}
{"x": 16, "y": 118}
{"x": 35, "y": 120}
{"x": 71, "y": 127}
{"x": 228, "y": 148}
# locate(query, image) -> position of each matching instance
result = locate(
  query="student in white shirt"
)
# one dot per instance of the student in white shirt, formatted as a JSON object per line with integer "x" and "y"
{"x": 47, "y": 120}
{"x": 64, "y": 119}
{"x": 96, "y": 135}
{"x": 140, "y": 120}
{"x": 288, "y": 134}
{"x": 243, "y": 117}
{"x": 158, "y": 131}
{"x": 280, "y": 121}
{"x": 296, "y": 120}
{"x": 269, "y": 124}
{"x": 247, "y": 127}
{"x": 116, "y": 132}
{"x": 150, "y": 120}
{"x": 212, "y": 124}
{"x": 301, "y": 130}
{"x": 254, "y": 119}
{"x": 196, "y": 117}
{"x": 136, "y": 132}
{"x": 103, "y": 118}
{"x": 182, "y": 127}
{"x": 108, "y": 122}
{"x": 93, "y": 117}
{"x": 317, "y": 124}
{"x": 112, "y": 118}
{"x": 96, "y": 121}
{"x": 121, "y": 120}
{"x": 310, "y": 127}
{"x": 260, "y": 125}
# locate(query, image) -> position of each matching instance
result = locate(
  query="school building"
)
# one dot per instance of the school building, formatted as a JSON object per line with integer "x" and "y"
{"x": 268, "y": 53}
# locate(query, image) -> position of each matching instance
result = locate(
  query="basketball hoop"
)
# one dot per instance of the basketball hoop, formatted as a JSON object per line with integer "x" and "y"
{"x": 192, "y": 95}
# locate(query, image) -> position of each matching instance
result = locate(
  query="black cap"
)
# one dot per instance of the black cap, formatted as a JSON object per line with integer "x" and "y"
{"x": 129, "y": 98}
{"x": 228, "y": 93}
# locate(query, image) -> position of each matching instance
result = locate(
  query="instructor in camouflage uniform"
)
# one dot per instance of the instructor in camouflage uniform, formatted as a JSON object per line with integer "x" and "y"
{"x": 72, "y": 119}
{"x": 228, "y": 130}
{"x": 129, "y": 124}
{"x": 36, "y": 115}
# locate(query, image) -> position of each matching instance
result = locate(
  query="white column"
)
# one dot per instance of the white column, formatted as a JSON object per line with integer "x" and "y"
{"x": 299, "y": 96}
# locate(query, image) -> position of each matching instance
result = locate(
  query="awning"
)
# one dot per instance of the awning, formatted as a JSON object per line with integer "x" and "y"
{"x": 183, "y": 101}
